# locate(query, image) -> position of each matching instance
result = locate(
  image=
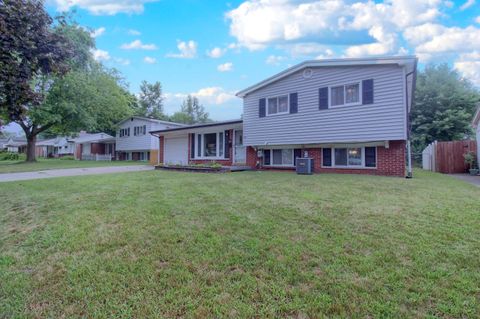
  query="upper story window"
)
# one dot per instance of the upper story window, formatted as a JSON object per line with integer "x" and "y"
{"x": 277, "y": 105}
{"x": 348, "y": 94}
{"x": 140, "y": 130}
{"x": 124, "y": 132}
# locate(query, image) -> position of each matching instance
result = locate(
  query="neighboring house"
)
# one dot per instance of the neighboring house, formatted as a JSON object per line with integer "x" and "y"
{"x": 96, "y": 146}
{"x": 349, "y": 115}
{"x": 133, "y": 141}
{"x": 476, "y": 126}
{"x": 15, "y": 145}
{"x": 56, "y": 147}
{"x": 3, "y": 141}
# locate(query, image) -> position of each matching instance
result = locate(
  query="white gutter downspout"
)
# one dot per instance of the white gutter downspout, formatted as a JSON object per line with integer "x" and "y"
{"x": 409, "y": 146}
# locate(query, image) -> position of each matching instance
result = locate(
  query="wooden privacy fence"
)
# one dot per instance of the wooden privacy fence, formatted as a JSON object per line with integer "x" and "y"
{"x": 447, "y": 157}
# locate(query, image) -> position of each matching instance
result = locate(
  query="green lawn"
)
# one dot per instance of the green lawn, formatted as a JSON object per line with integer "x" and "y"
{"x": 43, "y": 164}
{"x": 251, "y": 244}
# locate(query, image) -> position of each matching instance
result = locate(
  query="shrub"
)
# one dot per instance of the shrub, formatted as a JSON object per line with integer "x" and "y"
{"x": 9, "y": 156}
{"x": 67, "y": 158}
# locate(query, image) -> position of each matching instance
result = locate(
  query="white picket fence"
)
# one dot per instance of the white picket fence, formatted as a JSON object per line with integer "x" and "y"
{"x": 96, "y": 157}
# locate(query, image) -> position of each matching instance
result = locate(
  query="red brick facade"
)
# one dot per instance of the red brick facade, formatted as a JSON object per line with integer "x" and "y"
{"x": 391, "y": 161}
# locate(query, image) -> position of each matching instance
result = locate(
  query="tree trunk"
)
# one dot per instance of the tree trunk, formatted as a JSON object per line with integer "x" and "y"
{"x": 31, "y": 145}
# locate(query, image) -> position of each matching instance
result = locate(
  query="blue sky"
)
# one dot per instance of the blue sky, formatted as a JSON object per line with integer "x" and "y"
{"x": 213, "y": 49}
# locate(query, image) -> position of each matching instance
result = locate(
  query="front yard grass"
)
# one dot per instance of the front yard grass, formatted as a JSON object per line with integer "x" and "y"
{"x": 53, "y": 163}
{"x": 240, "y": 245}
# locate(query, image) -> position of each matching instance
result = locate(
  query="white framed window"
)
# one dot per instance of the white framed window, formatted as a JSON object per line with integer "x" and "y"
{"x": 350, "y": 157}
{"x": 210, "y": 145}
{"x": 278, "y": 157}
{"x": 124, "y": 132}
{"x": 345, "y": 94}
{"x": 278, "y": 105}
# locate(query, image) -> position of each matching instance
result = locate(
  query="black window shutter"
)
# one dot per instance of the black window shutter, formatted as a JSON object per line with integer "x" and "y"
{"x": 192, "y": 145}
{"x": 261, "y": 108}
{"x": 293, "y": 103}
{"x": 367, "y": 91}
{"x": 266, "y": 157}
{"x": 226, "y": 140}
{"x": 296, "y": 153}
{"x": 327, "y": 156}
{"x": 323, "y": 98}
{"x": 370, "y": 156}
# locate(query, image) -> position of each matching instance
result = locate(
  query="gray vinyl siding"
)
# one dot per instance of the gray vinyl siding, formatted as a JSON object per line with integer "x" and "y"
{"x": 145, "y": 142}
{"x": 385, "y": 119}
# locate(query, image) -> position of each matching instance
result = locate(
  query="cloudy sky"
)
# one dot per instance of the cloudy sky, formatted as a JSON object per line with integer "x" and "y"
{"x": 213, "y": 48}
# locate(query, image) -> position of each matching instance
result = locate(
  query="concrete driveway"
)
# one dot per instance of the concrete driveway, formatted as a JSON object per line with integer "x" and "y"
{"x": 10, "y": 177}
{"x": 475, "y": 180}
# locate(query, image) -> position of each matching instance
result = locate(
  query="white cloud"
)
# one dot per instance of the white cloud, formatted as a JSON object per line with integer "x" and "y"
{"x": 121, "y": 61}
{"x": 103, "y": 7}
{"x": 468, "y": 65}
{"x": 138, "y": 45}
{"x": 275, "y": 59}
{"x": 216, "y": 52}
{"x": 257, "y": 24}
{"x": 149, "y": 60}
{"x": 100, "y": 55}
{"x": 134, "y": 32}
{"x": 214, "y": 95}
{"x": 97, "y": 32}
{"x": 477, "y": 20}
{"x": 225, "y": 67}
{"x": 450, "y": 40}
{"x": 188, "y": 50}
{"x": 467, "y": 5}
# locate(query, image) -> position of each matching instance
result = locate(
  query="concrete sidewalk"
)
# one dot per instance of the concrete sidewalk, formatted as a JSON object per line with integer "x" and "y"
{"x": 475, "y": 180}
{"x": 23, "y": 176}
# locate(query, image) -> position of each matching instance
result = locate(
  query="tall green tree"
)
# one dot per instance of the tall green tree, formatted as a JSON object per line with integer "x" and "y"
{"x": 32, "y": 52}
{"x": 444, "y": 106}
{"x": 150, "y": 102}
{"x": 85, "y": 95}
{"x": 191, "y": 112}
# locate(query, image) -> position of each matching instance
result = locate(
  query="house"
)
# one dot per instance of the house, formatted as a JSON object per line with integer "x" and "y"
{"x": 15, "y": 145}
{"x": 96, "y": 146}
{"x": 349, "y": 115}
{"x": 133, "y": 142}
{"x": 476, "y": 126}
{"x": 55, "y": 147}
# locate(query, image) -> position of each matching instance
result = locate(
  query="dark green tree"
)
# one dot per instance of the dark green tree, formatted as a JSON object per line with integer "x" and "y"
{"x": 444, "y": 106}
{"x": 150, "y": 102}
{"x": 191, "y": 112}
{"x": 32, "y": 52}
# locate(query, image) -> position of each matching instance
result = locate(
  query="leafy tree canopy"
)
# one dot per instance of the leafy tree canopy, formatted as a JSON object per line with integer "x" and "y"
{"x": 150, "y": 101}
{"x": 191, "y": 112}
{"x": 49, "y": 81}
{"x": 444, "y": 106}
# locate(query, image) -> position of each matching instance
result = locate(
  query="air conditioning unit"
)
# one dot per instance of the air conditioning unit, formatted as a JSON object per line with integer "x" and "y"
{"x": 304, "y": 165}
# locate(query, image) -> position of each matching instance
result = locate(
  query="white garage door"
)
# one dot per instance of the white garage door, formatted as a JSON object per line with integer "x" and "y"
{"x": 176, "y": 150}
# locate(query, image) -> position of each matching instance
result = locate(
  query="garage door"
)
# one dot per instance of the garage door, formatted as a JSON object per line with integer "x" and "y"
{"x": 176, "y": 150}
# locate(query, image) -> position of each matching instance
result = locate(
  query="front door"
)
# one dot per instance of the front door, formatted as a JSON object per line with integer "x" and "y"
{"x": 240, "y": 150}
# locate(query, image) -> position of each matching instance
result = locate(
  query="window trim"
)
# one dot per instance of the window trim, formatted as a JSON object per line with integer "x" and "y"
{"x": 277, "y": 97}
{"x": 332, "y": 154}
{"x": 201, "y": 147}
{"x": 271, "y": 158}
{"x": 360, "y": 95}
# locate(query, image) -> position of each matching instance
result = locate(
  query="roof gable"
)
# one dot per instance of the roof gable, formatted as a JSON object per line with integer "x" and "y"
{"x": 408, "y": 61}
